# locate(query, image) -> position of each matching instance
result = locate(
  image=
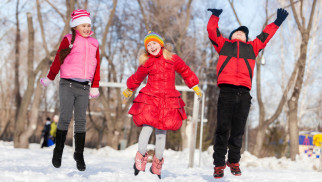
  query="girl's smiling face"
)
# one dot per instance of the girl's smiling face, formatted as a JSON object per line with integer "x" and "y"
{"x": 153, "y": 48}
{"x": 84, "y": 29}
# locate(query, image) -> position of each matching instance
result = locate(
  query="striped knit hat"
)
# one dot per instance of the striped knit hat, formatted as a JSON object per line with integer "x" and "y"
{"x": 79, "y": 16}
{"x": 152, "y": 36}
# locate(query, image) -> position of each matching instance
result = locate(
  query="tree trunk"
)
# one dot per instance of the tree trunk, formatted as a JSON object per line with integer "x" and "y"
{"x": 34, "y": 113}
{"x": 113, "y": 138}
{"x": 260, "y": 138}
{"x": 261, "y": 127}
{"x": 293, "y": 101}
{"x": 293, "y": 129}
{"x": 19, "y": 139}
{"x": 134, "y": 134}
{"x": 17, "y": 57}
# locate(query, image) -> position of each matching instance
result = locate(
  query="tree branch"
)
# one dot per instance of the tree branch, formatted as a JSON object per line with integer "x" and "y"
{"x": 233, "y": 8}
{"x": 107, "y": 27}
{"x": 185, "y": 28}
{"x": 41, "y": 24}
{"x": 311, "y": 16}
{"x": 296, "y": 17}
{"x": 284, "y": 97}
{"x": 56, "y": 9}
{"x": 144, "y": 16}
{"x": 301, "y": 14}
{"x": 274, "y": 14}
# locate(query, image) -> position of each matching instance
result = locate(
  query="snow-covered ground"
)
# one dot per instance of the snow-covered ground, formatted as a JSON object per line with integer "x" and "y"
{"x": 107, "y": 164}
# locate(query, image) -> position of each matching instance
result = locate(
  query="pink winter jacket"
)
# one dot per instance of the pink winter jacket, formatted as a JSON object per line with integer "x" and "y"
{"x": 81, "y": 61}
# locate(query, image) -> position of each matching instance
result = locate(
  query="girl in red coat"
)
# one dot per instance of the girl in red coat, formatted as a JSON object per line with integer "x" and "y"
{"x": 158, "y": 105}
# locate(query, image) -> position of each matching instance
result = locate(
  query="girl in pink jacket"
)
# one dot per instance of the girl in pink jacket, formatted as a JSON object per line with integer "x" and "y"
{"x": 78, "y": 61}
{"x": 158, "y": 104}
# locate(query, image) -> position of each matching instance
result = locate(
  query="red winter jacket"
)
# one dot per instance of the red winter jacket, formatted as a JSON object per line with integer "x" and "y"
{"x": 158, "y": 103}
{"x": 237, "y": 58}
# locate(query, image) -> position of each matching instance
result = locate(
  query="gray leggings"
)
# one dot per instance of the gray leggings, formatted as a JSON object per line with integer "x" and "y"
{"x": 73, "y": 96}
{"x": 144, "y": 137}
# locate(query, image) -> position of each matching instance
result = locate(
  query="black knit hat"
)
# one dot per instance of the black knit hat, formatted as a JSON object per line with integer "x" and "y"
{"x": 241, "y": 28}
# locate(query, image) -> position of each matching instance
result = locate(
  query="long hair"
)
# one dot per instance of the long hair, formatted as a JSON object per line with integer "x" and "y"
{"x": 64, "y": 52}
{"x": 167, "y": 53}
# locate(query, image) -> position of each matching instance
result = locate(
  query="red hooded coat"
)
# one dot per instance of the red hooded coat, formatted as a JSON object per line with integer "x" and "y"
{"x": 159, "y": 103}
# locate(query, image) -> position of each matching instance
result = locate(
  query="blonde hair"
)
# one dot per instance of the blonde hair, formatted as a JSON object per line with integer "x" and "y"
{"x": 167, "y": 53}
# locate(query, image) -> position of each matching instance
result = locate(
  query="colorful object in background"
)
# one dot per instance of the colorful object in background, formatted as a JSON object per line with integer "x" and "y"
{"x": 310, "y": 144}
{"x": 50, "y": 142}
{"x": 305, "y": 139}
{"x": 317, "y": 140}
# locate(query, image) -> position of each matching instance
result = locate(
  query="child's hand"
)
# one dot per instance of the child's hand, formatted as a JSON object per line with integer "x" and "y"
{"x": 215, "y": 12}
{"x": 126, "y": 94}
{"x": 281, "y": 16}
{"x": 198, "y": 92}
{"x": 94, "y": 93}
{"x": 45, "y": 81}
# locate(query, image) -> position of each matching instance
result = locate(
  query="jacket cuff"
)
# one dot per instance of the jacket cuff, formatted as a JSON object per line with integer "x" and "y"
{"x": 95, "y": 84}
{"x": 51, "y": 75}
{"x": 278, "y": 22}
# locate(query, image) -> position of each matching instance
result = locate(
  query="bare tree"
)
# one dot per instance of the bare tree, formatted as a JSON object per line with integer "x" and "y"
{"x": 23, "y": 130}
{"x": 19, "y": 139}
{"x": 305, "y": 31}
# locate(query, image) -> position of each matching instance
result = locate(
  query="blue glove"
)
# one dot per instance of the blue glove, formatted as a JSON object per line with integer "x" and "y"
{"x": 281, "y": 16}
{"x": 215, "y": 12}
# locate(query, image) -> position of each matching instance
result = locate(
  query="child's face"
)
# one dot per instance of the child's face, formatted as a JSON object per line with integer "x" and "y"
{"x": 240, "y": 35}
{"x": 153, "y": 48}
{"x": 84, "y": 29}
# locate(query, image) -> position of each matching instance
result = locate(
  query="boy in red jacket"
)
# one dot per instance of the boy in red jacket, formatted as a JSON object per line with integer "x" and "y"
{"x": 235, "y": 69}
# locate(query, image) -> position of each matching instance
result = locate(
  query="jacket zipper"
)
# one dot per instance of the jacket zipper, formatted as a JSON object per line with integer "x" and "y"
{"x": 86, "y": 58}
{"x": 237, "y": 61}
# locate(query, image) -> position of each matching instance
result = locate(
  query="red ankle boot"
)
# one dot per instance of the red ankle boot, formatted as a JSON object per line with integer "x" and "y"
{"x": 219, "y": 171}
{"x": 234, "y": 168}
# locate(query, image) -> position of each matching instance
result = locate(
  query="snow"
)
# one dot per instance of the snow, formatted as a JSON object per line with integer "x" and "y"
{"x": 107, "y": 164}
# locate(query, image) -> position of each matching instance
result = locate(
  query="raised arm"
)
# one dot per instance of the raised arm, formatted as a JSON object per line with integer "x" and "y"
{"x": 214, "y": 34}
{"x": 262, "y": 39}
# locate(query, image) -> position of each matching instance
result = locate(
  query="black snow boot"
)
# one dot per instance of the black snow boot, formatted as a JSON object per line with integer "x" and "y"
{"x": 79, "y": 149}
{"x": 59, "y": 147}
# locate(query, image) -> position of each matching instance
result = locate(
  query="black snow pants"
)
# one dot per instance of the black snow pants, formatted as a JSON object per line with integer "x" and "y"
{"x": 233, "y": 108}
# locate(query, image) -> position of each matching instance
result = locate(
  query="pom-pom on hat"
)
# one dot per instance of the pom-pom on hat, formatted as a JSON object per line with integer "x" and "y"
{"x": 79, "y": 16}
{"x": 152, "y": 36}
{"x": 241, "y": 28}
